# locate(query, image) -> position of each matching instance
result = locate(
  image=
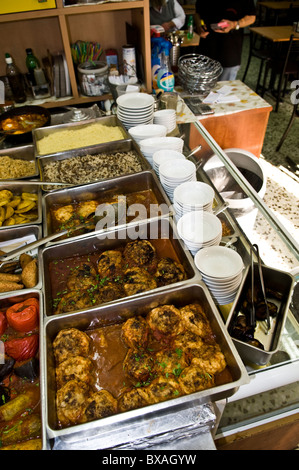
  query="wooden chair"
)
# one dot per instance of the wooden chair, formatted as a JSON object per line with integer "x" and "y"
{"x": 295, "y": 114}
{"x": 284, "y": 65}
{"x": 261, "y": 51}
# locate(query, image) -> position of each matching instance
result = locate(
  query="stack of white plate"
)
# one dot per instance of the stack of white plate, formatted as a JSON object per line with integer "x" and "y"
{"x": 193, "y": 196}
{"x": 151, "y": 145}
{"x": 166, "y": 117}
{"x": 135, "y": 108}
{"x": 199, "y": 229}
{"x": 175, "y": 172}
{"x": 145, "y": 131}
{"x": 221, "y": 269}
{"x": 162, "y": 156}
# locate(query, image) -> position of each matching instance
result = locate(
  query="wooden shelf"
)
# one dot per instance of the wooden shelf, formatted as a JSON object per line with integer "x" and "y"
{"x": 56, "y": 29}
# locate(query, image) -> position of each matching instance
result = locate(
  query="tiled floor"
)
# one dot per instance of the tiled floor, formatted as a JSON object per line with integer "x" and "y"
{"x": 277, "y": 122}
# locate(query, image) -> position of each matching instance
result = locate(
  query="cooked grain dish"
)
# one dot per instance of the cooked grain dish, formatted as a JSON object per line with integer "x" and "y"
{"x": 88, "y": 168}
{"x": 75, "y": 138}
{"x": 11, "y": 168}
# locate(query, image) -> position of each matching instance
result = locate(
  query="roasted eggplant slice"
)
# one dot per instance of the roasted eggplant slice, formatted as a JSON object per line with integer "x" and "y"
{"x": 28, "y": 370}
{"x": 7, "y": 367}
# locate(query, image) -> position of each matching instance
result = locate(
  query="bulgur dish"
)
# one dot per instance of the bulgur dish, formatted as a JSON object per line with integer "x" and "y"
{"x": 13, "y": 168}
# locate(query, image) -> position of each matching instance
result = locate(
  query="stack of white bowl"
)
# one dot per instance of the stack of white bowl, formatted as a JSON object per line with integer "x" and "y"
{"x": 145, "y": 131}
{"x": 192, "y": 196}
{"x": 151, "y": 145}
{"x": 199, "y": 229}
{"x": 166, "y": 117}
{"x": 162, "y": 156}
{"x": 221, "y": 269}
{"x": 175, "y": 172}
{"x": 135, "y": 108}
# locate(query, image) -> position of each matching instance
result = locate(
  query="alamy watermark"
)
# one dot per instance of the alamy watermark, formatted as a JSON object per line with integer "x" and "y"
{"x": 295, "y": 94}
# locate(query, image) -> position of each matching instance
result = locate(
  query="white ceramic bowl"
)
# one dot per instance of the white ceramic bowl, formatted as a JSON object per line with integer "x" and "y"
{"x": 194, "y": 194}
{"x": 219, "y": 262}
{"x": 142, "y": 132}
{"x": 199, "y": 228}
{"x": 177, "y": 170}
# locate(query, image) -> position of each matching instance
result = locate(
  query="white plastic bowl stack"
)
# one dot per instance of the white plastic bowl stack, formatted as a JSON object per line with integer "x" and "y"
{"x": 135, "y": 108}
{"x": 193, "y": 196}
{"x": 222, "y": 270}
{"x": 145, "y": 131}
{"x": 199, "y": 229}
{"x": 151, "y": 145}
{"x": 166, "y": 117}
{"x": 162, "y": 156}
{"x": 175, "y": 172}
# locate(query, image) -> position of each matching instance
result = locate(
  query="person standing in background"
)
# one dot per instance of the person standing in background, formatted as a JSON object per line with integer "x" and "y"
{"x": 167, "y": 13}
{"x": 223, "y": 40}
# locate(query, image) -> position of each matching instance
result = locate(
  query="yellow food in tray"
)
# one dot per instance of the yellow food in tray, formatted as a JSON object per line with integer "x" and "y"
{"x": 17, "y": 209}
{"x": 13, "y": 168}
{"x": 75, "y": 138}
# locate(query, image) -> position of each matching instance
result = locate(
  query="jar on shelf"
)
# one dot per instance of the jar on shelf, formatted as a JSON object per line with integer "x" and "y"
{"x": 93, "y": 78}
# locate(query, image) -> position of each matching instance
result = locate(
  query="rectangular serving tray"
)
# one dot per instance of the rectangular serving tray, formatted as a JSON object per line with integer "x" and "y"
{"x": 161, "y": 233}
{"x": 25, "y": 153}
{"x": 123, "y": 185}
{"x": 116, "y": 313}
{"x": 20, "y": 297}
{"x": 38, "y": 134}
{"x": 280, "y": 282}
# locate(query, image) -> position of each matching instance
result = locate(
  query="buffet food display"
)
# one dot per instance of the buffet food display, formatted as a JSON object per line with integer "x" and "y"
{"x": 129, "y": 327}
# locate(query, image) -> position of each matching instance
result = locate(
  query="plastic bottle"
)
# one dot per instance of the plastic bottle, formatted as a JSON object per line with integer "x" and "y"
{"x": 155, "y": 62}
{"x": 165, "y": 77}
{"x": 15, "y": 80}
{"x": 31, "y": 63}
{"x": 190, "y": 27}
{"x": 39, "y": 76}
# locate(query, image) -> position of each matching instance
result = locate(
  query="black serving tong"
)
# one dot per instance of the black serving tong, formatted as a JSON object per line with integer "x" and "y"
{"x": 252, "y": 319}
{"x": 260, "y": 270}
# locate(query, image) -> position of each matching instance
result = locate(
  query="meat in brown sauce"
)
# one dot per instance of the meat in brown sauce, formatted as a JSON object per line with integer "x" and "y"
{"x": 134, "y": 367}
{"x": 83, "y": 282}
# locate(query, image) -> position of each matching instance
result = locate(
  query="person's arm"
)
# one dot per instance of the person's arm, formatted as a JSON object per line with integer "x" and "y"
{"x": 241, "y": 23}
{"x": 200, "y": 26}
{"x": 178, "y": 21}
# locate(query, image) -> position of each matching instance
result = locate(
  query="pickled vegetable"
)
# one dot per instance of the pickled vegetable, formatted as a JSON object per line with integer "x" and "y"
{"x": 23, "y": 429}
{"x": 16, "y": 406}
{"x": 32, "y": 444}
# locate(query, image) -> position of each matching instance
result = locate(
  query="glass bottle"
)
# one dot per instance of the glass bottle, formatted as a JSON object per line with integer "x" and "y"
{"x": 190, "y": 27}
{"x": 31, "y": 63}
{"x": 15, "y": 80}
